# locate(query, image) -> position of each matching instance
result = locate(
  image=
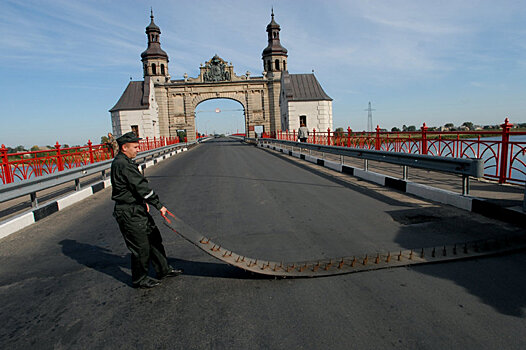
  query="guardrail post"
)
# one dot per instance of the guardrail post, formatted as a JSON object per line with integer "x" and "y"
{"x": 34, "y": 199}
{"x": 377, "y": 140}
{"x": 504, "y": 150}
{"x": 293, "y": 134}
{"x": 423, "y": 149}
{"x": 6, "y": 168}
{"x": 91, "y": 160}
{"x": 314, "y": 136}
{"x": 405, "y": 172}
{"x": 349, "y": 136}
{"x": 465, "y": 185}
{"x": 60, "y": 163}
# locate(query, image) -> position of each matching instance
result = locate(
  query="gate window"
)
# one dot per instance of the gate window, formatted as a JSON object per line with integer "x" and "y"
{"x": 277, "y": 64}
{"x": 154, "y": 70}
{"x": 303, "y": 120}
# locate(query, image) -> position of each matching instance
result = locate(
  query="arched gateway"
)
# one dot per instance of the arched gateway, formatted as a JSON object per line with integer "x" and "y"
{"x": 160, "y": 106}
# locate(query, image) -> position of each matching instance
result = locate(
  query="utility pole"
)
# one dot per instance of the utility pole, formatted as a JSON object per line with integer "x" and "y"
{"x": 369, "y": 117}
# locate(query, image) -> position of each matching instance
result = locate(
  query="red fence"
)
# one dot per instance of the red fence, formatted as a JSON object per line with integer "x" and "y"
{"x": 26, "y": 165}
{"x": 503, "y": 150}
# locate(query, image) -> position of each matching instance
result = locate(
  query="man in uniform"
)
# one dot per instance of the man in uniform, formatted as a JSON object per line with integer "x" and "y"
{"x": 133, "y": 198}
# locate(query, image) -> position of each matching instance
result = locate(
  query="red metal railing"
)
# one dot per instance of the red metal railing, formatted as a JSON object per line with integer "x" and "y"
{"x": 503, "y": 150}
{"x": 26, "y": 165}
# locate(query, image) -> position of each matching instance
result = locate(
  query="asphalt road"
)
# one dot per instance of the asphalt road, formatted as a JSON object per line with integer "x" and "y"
{"x": 65, "y": 281}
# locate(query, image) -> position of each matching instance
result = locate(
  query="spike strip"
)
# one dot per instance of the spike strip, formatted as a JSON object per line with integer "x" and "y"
{"x": 351, "y": 264}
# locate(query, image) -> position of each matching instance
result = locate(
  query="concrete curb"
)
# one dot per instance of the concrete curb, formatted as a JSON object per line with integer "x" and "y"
{"x": 469, "y": 203}
{"x": 23, "y": 220}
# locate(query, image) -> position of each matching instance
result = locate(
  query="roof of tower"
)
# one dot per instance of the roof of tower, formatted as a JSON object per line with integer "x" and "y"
{"x": 303, "y": 87}
{"x": 152, "y": 26}
{"x": 274, "y": 45}
{"x": 133, "y": 97}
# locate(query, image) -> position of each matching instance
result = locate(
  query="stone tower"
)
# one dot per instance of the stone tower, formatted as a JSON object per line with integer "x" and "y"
{"x": 154, "y": 59}
{"x": 274, "y": 55}
{"x": 274, "y": 63}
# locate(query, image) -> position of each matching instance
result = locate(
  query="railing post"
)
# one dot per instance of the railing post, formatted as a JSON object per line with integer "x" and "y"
{"x": 328, "y": 136}
{"x": 377, "y": 140}
{"x": 293, "y": 134}
{"x": 504, "y": 151}
{"x": 314, "y": 136}
{"x": 349, "y": 136}
{"x": 60, "y": 164}
{"x": 423, "y": 149}
{"x": 91, "y": 160}
{"x": 6, "y": 168}
{"x": 147, "y": 144}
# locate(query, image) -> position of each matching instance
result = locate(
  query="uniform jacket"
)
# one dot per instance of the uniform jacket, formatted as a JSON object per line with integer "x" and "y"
{"x": 303, "y": 132}
{"x": 129, "y": 186}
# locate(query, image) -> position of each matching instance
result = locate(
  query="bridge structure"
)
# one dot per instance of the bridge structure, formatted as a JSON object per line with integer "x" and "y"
{"x": 283, "y": 210}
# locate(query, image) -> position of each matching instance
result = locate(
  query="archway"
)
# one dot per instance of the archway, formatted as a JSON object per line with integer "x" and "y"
{"x": 220, "y": 116}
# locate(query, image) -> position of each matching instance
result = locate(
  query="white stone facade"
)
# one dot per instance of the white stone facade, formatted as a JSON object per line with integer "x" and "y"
{"x": 318, "y": 114}
{"x": 147, "y": 120}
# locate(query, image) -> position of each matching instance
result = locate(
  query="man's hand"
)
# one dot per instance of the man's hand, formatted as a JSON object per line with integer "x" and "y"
{"x": 147, "y": 207}
{"x": 165, "y": 211}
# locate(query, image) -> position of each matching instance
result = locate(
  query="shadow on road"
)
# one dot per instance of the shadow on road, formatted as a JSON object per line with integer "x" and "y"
{"x": 496, "y": 281}
{"x": 104, "y": 261}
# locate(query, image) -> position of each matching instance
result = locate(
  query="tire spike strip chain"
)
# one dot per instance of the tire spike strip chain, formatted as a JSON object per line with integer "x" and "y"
{"x": 352, "y": 264}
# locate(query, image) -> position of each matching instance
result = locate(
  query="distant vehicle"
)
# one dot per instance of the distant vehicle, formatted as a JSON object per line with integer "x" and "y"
{"x": 216, "y": 136}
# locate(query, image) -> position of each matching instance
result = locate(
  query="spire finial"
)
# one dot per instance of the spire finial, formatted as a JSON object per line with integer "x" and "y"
{"x": 151, "y": 13}
{"x": 272, "y": 12}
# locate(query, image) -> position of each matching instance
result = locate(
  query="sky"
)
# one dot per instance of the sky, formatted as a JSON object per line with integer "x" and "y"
{"x": 65, "y": 63}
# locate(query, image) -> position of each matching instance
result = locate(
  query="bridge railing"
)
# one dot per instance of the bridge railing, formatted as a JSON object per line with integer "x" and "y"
{"x": 34, "y": 185}
{"x": 503, "y": 151}
{"x": 21, "y": 166}
{"x": 466, "y": 167}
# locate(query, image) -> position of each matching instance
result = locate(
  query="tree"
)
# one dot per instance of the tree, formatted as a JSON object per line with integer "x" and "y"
{"x": 104, "y": 139}
{"x": 35, "y": 148}
{"x": 411, "y": 128}
{"x": 449, "y": 125}
{"x": 404, "y": 127}
{"x": 468, "y": 125}
{"x": 395, "y": 129}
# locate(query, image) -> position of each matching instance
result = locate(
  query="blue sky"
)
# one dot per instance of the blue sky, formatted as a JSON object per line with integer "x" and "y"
{"x": 65, "y": 63}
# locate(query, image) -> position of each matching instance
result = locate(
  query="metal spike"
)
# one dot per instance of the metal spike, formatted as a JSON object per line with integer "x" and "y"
{"x": 400, "y": 256}
{"x": 353, "y": 262}
{"x": 433, "y": 253}
{"x": 455, "y": 249}
{"x": 422, "y": 253}
{"x": 388, "y": 257}
{"x": 377, "y": 260}
{"x": 411, "y": 255}
{"x": 444, "y": 252}
{"x": 365, "y": 260}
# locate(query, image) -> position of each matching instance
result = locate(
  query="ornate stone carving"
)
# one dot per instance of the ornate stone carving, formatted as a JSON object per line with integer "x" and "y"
{"x": 216, "y": 70}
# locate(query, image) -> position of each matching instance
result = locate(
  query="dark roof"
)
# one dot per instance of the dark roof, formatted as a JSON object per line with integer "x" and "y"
{"x": 303, "y": 87}
{"x": 133, "y": 97}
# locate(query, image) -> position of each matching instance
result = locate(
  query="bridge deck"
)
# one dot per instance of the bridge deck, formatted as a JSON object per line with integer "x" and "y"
{"x": 64, "y": 282}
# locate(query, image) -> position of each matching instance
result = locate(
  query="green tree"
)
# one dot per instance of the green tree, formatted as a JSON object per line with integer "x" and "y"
{"x": 35, "y": 148}
{"x": 395, "y": 129}
{"x": 468, "y": 125}
{"x": 404, "y": 127}
{"x": 411, "y": 128}
{"x": 449, "y": 125}
{"x": 104, "y": 139}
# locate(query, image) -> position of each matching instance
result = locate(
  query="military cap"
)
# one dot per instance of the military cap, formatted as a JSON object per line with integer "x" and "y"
{"x": 128, "y": 137}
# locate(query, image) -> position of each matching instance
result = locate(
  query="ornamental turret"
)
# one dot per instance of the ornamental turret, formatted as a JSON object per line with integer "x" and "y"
{"x": 274, "y": 55}
{"x": 154, "y": 59}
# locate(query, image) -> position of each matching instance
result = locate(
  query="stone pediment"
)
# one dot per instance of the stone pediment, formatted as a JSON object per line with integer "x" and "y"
{"x": 216, "y": 70}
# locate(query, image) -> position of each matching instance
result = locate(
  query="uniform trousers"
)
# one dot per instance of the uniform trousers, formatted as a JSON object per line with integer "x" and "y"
{"x": 143, "y": 239}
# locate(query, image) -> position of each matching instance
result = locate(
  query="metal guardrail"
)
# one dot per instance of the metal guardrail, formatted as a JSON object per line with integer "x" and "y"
{"x": 31, "y": 187}
{"x": 462, "y": 166}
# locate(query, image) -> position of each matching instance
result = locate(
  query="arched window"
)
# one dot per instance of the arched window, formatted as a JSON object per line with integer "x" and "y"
{"x": 154, "y": 69}
{"x": 284, "y": 65}
{"x": 277, "y": 64}
{"x": 162, "y": 69}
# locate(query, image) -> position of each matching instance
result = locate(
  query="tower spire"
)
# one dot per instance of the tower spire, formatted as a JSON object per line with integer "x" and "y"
{"x": 274, "y": 55}
{"x": 155, "y": 60}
